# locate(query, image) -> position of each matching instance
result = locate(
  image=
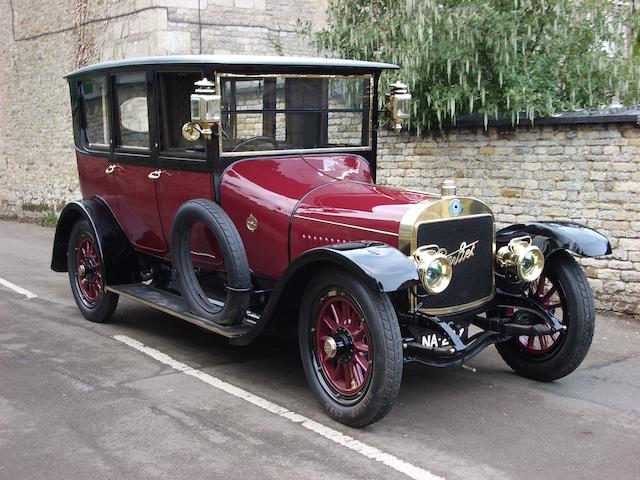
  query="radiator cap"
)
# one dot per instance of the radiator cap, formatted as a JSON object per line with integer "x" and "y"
{"x": 448, "y": 188}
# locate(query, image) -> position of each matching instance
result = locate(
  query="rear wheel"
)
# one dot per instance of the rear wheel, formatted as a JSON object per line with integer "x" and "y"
{"x": 86, "y": 275}
{"x": 563, "y": 289}
{"x": 351, "y": 348}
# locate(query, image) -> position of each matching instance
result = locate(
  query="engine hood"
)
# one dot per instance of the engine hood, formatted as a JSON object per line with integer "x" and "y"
{"x": 302, "y": 202}
{"x": 343, "y": 211}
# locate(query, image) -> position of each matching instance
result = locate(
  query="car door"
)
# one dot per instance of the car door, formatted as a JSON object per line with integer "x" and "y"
{"x": 136, "y": 173}
{"x": 95, "y": 166}
{"x": 184, "y": 172}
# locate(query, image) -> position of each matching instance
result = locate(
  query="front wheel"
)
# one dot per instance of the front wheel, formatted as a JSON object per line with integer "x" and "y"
{"x": 351, "y": 348}
{"x": 564, "y": 290}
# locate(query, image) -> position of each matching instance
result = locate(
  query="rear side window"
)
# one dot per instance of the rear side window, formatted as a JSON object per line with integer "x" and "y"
{"x": 95, "y": 105}
{"x": 132, "y": 110}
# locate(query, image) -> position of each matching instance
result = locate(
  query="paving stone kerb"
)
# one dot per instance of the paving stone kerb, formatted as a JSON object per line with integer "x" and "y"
{"x": 587, "y": 173}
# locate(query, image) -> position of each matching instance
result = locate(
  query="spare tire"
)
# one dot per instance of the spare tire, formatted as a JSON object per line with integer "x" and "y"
{"x": 238, "y": 281}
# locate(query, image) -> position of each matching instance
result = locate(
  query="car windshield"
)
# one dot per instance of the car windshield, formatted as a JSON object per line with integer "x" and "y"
{"x": 283, "y": 112}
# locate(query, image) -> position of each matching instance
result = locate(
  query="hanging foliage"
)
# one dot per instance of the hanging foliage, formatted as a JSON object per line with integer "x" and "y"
{"x": 507, "y": 58}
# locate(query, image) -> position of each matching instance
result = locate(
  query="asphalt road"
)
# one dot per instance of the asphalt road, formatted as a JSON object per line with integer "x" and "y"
{"x": 75, "y": 403}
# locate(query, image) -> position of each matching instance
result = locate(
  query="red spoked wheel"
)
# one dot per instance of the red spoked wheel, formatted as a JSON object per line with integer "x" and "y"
{"x": 547, "y": 292}
{"x": 564, "y": 291}
{"x": 350, "y": 347}
{"x": 87, "y": 276}
{"x": 88, "y": 271}
{"x": 342, "y": 346}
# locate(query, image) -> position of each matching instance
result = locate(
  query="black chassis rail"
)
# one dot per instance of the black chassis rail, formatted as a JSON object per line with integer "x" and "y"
{"x": 531, "y": 320}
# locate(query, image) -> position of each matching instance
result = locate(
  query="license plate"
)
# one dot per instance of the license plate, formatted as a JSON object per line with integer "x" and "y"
{"x": 433, "y": 340}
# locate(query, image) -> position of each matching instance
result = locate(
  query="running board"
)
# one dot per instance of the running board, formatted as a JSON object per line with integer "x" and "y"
{"x": 176, "y": 306}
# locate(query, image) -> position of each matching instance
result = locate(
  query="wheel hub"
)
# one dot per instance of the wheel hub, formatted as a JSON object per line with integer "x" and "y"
{"x": 342, "y": 346}
{"x": 88, "y": 268}
{"x": 545, "y": 291}
{"x": 330, "y": 347}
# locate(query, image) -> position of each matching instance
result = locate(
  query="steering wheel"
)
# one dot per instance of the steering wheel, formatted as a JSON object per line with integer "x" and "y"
{"x": 255, "y": 139}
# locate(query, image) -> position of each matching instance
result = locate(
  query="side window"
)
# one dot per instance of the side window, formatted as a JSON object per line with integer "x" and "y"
{"x": 175, "y": 90}
{"x": 132, "y": 110}
{"x": 95, "y": 107}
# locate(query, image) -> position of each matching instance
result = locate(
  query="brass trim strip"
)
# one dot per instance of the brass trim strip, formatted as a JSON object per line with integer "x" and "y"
{"x": 257, "y": 153}
{"x": 366, "y": 229}
{"x": 457, "y": 308}
{"x": 295, "y": 75}
{"x": 436, "y": 209}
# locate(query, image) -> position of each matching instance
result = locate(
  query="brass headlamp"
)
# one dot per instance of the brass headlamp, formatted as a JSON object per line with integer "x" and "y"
{"x": 206, "y": 111}
{"x": 521, "y": 258}
{"x": 398, "y": 105}
{"x": 434, "y": 268}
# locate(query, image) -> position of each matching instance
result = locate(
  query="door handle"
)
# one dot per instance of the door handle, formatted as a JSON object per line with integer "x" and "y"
{"x": 112, "y": 168}
{"x": 156, "y": 174}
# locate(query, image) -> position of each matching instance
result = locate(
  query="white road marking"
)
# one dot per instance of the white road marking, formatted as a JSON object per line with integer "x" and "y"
{"x": 16, "y": 288}
{"x": 329, "y": 433}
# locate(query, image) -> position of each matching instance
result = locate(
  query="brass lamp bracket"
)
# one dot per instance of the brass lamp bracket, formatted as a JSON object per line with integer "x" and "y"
{"x": 206, "y": 111}
{"x": 397, "y": 104}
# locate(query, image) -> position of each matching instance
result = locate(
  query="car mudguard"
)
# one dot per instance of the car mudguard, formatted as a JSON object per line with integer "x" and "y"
{"x": 119, "y": 258}
{"x": 377, "y": 264}
{"x": 382, "y": 266}
{"x": 553, "y": 236}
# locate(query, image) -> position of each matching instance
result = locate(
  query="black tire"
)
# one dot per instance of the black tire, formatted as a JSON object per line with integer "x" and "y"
{"x": 235, "y": 259}
{"x": 578, "y": 311}
{"x": 99, "y": 307}
{"x": 380, "y": 389}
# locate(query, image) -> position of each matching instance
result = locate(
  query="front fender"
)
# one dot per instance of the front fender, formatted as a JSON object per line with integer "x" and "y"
{"x": 557, "y": 235}
{"x": 383, "y": 267}
{"x": 120, "y": 261}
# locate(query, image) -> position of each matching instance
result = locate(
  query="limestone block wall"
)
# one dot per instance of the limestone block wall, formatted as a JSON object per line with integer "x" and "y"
{"x": 583, "y": 173}
{"x": 43, "y": 40}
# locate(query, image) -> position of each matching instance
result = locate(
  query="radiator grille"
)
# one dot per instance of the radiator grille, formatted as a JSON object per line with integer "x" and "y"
{"x": 472, "y": 278}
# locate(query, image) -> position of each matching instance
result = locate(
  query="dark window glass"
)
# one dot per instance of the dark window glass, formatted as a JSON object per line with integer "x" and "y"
{"x": 287, "y": 113}
{"x": 95, "y": 105}
{"x": 175, "y": 90}
{"x": 133, "y": 115}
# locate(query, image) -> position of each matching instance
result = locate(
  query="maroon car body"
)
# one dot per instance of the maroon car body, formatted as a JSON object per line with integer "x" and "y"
{"x": 267, "y": 217}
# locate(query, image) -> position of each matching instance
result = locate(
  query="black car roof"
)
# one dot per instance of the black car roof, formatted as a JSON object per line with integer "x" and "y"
{"x": 272, "y": 62}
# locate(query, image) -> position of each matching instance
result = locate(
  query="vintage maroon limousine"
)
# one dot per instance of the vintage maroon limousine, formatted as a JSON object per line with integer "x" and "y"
{"x": 238, "y": 193}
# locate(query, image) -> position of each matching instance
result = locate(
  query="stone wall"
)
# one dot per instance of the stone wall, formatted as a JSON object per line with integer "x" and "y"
{"x": 43, "y": 40}
{"x": 583, "y": 173}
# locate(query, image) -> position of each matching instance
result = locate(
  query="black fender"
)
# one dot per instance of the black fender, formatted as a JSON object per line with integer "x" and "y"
{"x": 382, "y": 266}
{"x": 120, "y": 260}
{"x": 377, "y": 264}
{"x": 553, "y": 236}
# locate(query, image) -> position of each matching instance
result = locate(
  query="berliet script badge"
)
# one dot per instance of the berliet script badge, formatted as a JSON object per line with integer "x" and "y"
{"x": 464, "y": 253}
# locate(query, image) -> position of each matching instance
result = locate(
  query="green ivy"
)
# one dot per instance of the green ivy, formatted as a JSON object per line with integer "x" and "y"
{"x": 495, "y": 58}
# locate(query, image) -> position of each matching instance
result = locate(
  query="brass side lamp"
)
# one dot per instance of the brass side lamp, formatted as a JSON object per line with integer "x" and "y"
{"x": 397, "y": 104}
{"x": 206, "y": 111}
